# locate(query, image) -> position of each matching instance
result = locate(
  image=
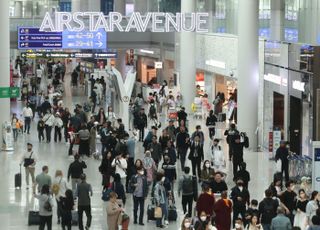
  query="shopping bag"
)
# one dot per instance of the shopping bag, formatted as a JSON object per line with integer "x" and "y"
{"x": 278, "y": 166}
{"x": 157, "y": 212}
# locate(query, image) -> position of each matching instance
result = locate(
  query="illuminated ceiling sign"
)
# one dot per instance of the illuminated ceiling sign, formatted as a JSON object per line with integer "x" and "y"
{"x": 276, "y": 79}
{"x": 298, "y": 85}
{"x": 114, "y": 21}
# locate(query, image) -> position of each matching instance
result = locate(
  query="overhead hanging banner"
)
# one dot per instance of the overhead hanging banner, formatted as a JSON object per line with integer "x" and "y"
{"x": 114, "y": 21}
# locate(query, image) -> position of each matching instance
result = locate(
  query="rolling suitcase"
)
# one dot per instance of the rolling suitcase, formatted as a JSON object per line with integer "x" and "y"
{"x": 33, "y": 218}
{"x": 17, "y": 179}
{"x": 75, "y": 216}
{"x": 172, "y": 213}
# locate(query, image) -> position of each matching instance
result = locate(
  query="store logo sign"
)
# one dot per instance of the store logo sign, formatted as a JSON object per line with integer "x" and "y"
{"x": 298, "y": 85}
{"x": 218, "y": 64}
{"x": 276, "y": 79}
{"x": 158, "y": 65}
{"x": 114, "y": 21}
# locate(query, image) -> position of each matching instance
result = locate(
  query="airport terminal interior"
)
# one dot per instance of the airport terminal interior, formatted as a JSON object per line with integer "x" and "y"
{"x": 149, "y": 114}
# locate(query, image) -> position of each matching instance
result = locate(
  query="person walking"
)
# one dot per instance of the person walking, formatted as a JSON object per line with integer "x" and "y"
{"x": 312, "y": 206}
{"x": 93, "y": 138}
{"x": 84, "y": 136}
{"x": 59, "y": 188}
{"x": 196, "y": 156}
{"x": 43, "y": 178}
{"x": 67, "y": 203}
{"x": 280, "y": 222}
{"x": 205, "y": 202}
{"x": 106, "y": 169}
{"x": 139, "y": 186}
{"x": 211, "y": 123}
{"x": 187, "y": 188}
{"x": 223, "y": 209}
{"x": 75, "y": 171}
{"x": 156, "y": 151}
{"x": 288, "y": 200}
{"x": 84, "y": 192}
{"x": 300, "y": 218}
{"x": 182, "y": 143}
{"x": 40, "y": 128}
{"x": 45, "y": 207}
{"x": 141, "y": 122}
{"x": 160, "y": 197}
{"x": 15, "y": 126}
{"x": 29, "y": 160}
{"x": 282, "y": 154}
{"x": 113, "y": 212}
{"x": 58, "y": 124}
{"x": 268, "y": 209}
{"x": 121, "y": 165}
{"x": 48, "y": 121}
{"x": 231, "y": 133}
{"x": 28, "y": 115}
{"x": 237, "y": 157}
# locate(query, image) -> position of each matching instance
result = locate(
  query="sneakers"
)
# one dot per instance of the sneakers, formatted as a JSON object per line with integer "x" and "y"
{"x": 166, "y": 222}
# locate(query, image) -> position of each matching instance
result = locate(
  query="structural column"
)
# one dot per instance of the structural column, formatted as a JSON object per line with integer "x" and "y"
{"x": 94, "y": 5}
{"x": 248, "y": 69}
{"x": 141, "y": 6}
{"x": 4, "y": 61}
{"x": 187, "y": 60}
{"x": 121, "y": 63}
{"x": 18, "y": 9}
{"x": 277, "y": 20}
{"x": 120, "y": 6}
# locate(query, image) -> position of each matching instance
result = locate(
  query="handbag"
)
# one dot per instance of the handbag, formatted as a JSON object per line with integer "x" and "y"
{"x": 47, "y": 206}
{"x": 157, "y": 212}
{"x": 28, "y": 161}
{"x": 278, "y": 166}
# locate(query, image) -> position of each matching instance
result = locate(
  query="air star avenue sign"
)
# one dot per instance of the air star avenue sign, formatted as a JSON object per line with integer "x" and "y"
{"x": 154, "y": 22}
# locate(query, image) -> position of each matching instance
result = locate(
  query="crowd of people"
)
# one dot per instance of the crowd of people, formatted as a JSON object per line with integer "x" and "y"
{"x": 159, "y": 179}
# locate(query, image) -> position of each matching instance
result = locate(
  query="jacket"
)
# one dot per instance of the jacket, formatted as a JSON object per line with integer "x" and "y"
{"x": 282, "y": 154}
{"x": 181, "y": 141}
{"x": 238, "y": 151}
{"x": 43, "y": 198}
{"x": 133, "y": 181}
{"x": 76, "y": 169}
{"x": 156, "y": 151}
{"x": 160, "y": 194}
{"x": 231, "y": 133}
{"x": 196, "y": 152}
{"x": 281, "y": 222}
{"x": 244, "y": 194}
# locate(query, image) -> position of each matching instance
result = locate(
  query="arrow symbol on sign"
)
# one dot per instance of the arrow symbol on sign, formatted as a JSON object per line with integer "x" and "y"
{"x": 99, "y": 44}
{"x": 99, "y": 35}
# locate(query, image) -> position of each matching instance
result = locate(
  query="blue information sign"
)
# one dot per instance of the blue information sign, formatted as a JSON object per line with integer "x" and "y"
{"x": 33, "y": 38}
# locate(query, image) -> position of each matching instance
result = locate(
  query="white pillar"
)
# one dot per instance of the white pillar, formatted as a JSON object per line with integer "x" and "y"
{"x": 277, "y": 20}
{"x": 248, "y": 68}
{"x": 4, "y": 61}
{"x": 18, "y": 9}
{"x": 187, "y": 62}
{"x": 76, "y": 5}
{"x": 141, "y": 6}
{"x": 120, "y": 6}
{"x": 121, "y": 63}
{"x": 94, "y": 5}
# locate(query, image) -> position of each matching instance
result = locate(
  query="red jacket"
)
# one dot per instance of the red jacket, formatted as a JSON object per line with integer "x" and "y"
{"x": 205, "y": 203}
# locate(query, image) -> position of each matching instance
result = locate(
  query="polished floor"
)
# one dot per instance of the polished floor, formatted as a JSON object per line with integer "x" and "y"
{"x": 16, "y": 203}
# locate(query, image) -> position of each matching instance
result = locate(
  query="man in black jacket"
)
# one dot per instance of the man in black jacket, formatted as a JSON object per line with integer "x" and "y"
{"x": 182, "y": 143}
{"x": 240, "y": 197}
{"x": 243, "y": 174}
{"x": 268, "y": 209}
{"x": 283, "y": 154}
{"x": 237, "y": 158}
{"x": 231, "y": 133}
{"x": 196, "y": 155}
{"x": 182, "y": 115}
{"x": 75, "y": 170}
{"x": 141, "y": 122}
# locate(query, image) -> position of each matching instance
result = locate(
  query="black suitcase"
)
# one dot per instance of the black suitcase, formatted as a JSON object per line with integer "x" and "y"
{"x": 17, "y": 179}
{"x": 33, "y": 218}
{"x": 75, "y": 216}
{"x": 172, "y": 213}
{"x": 150, "y": 212}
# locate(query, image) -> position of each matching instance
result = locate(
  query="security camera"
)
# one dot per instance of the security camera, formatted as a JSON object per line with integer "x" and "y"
{"x": 231, "y": 73}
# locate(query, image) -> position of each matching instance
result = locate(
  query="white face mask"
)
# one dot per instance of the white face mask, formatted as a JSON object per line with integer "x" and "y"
{"x": 203, "y": 218}
{"x": 208, "y": 165}
{"x": 240, "y": 188}
{"x": 162, "y": 179}
{"x": 237, "y": 225}
{"x": 141, "y": 172}
{"x": 187, "y": 225}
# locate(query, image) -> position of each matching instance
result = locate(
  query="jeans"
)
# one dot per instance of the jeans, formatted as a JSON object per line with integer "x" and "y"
{"x": 48, "y": 133}
{"x": 164, "y": 214}
{"x": 74, "y": 184}
{"x": 65, "y": 129}
{"x": 138, "y": 201}
{"x": 141, "y": 134}
{"x": 266, "y": 226}
{"x": 15, "y": 134}
{"x": 187, "y": 201}
{"x": 236, "y": 166}
{"x": 27, "y": 122}
{"x": 57, "y": 133}
{"x": 87, "y": 210}
{"x": 41, "y": 135}
{"x": 45, "y": 220}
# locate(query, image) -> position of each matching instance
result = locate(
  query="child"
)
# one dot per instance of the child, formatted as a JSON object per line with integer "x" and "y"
{"x": 40, "y": 128}
{"x": 217, "y": 156}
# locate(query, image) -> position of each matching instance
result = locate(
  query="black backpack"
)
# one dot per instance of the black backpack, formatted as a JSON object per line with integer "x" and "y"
{"x": 268, "y": 209}
{"x": 152, "y": 111}
{"x": 187, "y": 185}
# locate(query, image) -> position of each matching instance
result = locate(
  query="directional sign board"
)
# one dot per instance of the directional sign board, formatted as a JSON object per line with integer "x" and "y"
{"x": 69, "y": 55}
{"x": 33, "y": 38}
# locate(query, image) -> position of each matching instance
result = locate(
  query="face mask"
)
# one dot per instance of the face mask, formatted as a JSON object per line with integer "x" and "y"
{"x": 162, "y": 179}
{"x": 237, "y": 225}
{"x": 208, "y": 165}
{"x": 241, "y": 188}
{"x": 203, "y": 218}
{"x": 187, "y": 225}
{"x": 141, "y": 172}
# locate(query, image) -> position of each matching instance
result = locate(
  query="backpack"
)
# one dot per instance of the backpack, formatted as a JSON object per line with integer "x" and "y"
{"x": 187, "y": 185}
{"x": 268, "y": 210}
{"x": 47, "y": 206}
{"x": 152, "y": 111}
{"x": 56, "y": 188}
{"x": 106, "y": 193}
